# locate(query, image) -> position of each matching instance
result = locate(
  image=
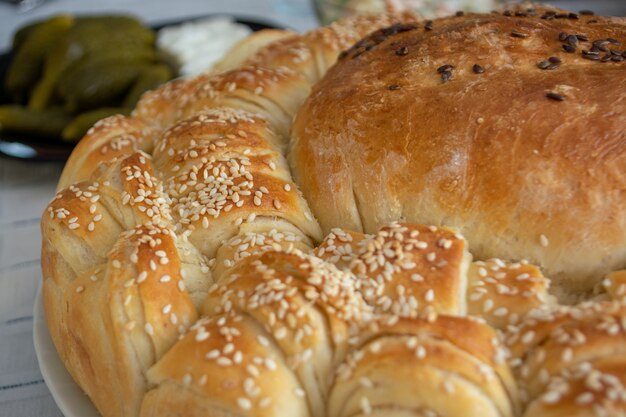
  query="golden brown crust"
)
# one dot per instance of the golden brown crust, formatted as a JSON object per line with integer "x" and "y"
{"x": 195, "y": 186}
{"x": 314, "y": 52}
{"x": 550, "y": 348}
{"x": 135, "y": 301}
{"x": 247, "y": 47}
{"x": 444, "y": 365}
{"x": 503, "y": 292}
{"x": 109, "y": 139}
{"x": 588, "y": 390}
{"x": 223, "y": 168}
{"x": 407, "y": 270}
{"x": 444, "y": 152}
{"x": 202, "y": 374}
{"x": 307, "y": 307}
{"x": 615, "y": 285}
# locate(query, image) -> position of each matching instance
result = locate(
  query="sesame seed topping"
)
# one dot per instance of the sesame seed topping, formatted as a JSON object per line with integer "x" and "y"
{"x": 244, "y": 403}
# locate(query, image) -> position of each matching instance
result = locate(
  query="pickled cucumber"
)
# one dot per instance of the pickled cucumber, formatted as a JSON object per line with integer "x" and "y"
{"x": 21, "y": 120}
{"x": 79, "y": 125}
{"x": 97, "y": 84}
{"x": 29, "y": 58}
{"x": 73, "y": 72}
{"x": 148, "y": 79}
{"x": 92, "y": 38}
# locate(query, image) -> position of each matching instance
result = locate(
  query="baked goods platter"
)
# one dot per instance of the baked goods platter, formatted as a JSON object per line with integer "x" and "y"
{"x": 386, "y": 216}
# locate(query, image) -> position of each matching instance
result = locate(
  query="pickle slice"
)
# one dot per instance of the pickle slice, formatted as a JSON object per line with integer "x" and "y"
{"x": 22, "y": 120}
{"x": 79, "y": 125}
{"x": 29, "y": 58}
{"x": 150, "y": 78}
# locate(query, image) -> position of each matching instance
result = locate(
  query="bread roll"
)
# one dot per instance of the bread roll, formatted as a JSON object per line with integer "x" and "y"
{"x": 313, "y": 53}
{"x": 109, "y": 139}
{"x": 571, "y": 360}
{"x": 503, "y": 293}
{"x": 296, "y": 307}
{"x": 113, "y": 321}
{"x": 221, "y": 369}
{"x": 441, "y": 366}
{"x": 223, "y": 168}
{"x": 405, "y": 127}
{"x": 237, "y": 55}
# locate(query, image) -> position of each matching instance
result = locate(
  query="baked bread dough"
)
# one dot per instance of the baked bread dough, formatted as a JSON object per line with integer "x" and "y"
{"x": 521, "y": 175}
{"x": 186, "y": 274}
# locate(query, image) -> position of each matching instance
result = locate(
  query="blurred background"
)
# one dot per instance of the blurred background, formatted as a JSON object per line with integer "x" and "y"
{"x": 329, "y": 10}
{"x": 298, "y": 14}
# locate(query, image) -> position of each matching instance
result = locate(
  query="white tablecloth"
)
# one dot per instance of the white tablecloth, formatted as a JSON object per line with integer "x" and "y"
{"x": 25, "y": 189}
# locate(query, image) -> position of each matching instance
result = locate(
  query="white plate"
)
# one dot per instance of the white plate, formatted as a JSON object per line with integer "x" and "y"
{"x": 72, "y": 401}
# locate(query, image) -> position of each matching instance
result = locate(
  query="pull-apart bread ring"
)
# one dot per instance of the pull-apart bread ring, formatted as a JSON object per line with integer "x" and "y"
{"x": 468, "y": 174}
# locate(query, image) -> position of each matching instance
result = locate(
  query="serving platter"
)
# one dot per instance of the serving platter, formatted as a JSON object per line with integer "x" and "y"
{"x": 37, "y": 149}
{"x": 70, "y": 399}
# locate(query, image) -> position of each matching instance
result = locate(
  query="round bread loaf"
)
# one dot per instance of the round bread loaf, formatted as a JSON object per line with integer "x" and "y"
{"x": 510, "y": 127}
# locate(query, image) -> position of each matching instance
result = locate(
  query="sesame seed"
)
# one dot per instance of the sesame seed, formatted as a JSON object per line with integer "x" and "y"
{"x": 213, "y": 354}
{"x": 270, "y": 364}
{"x": 224, "y": 361}
{"x": 142, "y": 276}
{"x": 365, "y": 405}
{"x": 149, "y": 329}
{"x": 80, "y": 289}
{"x": 528, "y": 337}
{"x": 551, "y": 397}
{"x": 584, "y": 398}
{"x": 244, "y": 403}
{"x": 417, "y": 278}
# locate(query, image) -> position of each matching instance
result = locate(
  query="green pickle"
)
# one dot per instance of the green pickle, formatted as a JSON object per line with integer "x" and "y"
{"x": 29, "y": 58}
{"x": 79, "y": 125}
{"x": 22, "y": 120}
{"x": 74, "y": 71}
{"x": 97, "y": 84}
{"x": 86, "y": 42}
{"x": 150, "y": 78}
